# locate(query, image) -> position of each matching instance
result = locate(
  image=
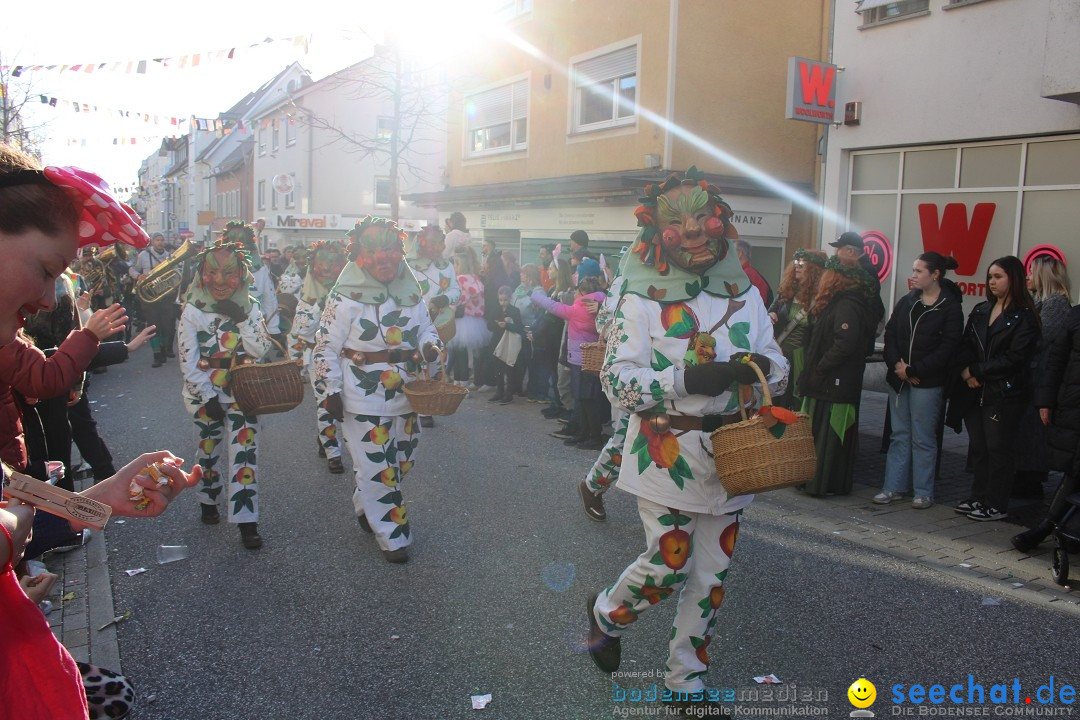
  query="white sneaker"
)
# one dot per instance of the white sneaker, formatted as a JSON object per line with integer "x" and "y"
{"x": 921, "y": 502}
{"x": 985, "y": 514}
{"x": 884, "y": 497}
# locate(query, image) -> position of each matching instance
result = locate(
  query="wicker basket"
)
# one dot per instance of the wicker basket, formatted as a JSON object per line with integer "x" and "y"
{"x": 592, "y": 357}
{"x": 749, "y": 459}
{"x": 266, "y": 388}
{"x": 433, "y": 397}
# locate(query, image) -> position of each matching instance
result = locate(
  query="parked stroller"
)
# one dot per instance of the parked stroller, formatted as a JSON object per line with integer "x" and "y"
{"x": 1065, "y": 534}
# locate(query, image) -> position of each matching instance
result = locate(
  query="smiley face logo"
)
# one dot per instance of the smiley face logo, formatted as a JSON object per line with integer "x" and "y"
{"x": 862, "y": 693}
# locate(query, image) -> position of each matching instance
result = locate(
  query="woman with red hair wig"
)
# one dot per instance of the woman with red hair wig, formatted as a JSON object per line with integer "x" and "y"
{"x": 790, "y": 314}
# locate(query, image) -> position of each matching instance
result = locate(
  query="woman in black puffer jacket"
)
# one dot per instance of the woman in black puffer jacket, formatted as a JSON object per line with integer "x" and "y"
{"x": 1000, "y": 339}
{"x": 921, "y": 338}
{"x": 1058, "y": 400}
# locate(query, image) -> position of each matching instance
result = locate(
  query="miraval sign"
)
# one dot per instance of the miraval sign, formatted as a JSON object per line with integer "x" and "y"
{"x": 303, "y": 222}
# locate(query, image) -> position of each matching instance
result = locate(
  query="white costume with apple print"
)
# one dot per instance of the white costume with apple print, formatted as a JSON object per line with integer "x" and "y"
{"x": 380, "y": 426}
{"x": 690, "y": 522}
{"x": 436, "y": 278}
{"x": 211, "y": 335}
{"x": 301, "y": 343}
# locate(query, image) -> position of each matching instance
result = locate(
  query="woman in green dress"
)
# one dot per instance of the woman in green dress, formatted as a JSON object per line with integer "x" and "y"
{"x": 790, "y": 314}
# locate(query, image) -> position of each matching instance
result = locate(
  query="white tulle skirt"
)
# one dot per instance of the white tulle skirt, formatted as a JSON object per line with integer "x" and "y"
{"x": 472, "y": 333}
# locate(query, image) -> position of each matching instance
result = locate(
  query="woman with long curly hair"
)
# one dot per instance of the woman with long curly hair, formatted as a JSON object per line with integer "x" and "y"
{"x": 790, "y": 314}
{"x": 841, "y": 327}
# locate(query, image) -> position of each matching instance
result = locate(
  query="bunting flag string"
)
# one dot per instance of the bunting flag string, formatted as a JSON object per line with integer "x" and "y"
{"x": 141, "y": 67}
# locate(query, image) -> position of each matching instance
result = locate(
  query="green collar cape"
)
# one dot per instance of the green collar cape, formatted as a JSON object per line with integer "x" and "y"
{"x": 420, "y": 263}
{"x": 356, "y": 284}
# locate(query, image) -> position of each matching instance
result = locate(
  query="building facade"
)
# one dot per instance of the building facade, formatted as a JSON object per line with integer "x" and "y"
{"x": 969, "y": 146}
{"x": 560, "y": 127}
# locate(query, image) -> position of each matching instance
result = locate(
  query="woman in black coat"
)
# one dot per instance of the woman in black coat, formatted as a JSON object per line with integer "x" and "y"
{"x": 841, "y": 327}
{"x": 921, "y": 338}
{"x": 1058, "y": 399}
{"x": 1000, "y": 339}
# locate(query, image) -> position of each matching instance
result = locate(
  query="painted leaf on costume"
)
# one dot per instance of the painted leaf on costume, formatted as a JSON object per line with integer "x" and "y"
{"x": 732, "y": 403}
{"x": 211, "y": 493}
{"x": 370, "y": 329}
{"x": 243, "y": 499}
{"x": 425, "y": 285}
{"x": 657, "y": 559}
{"x": 391, "y": 498}
{"x": 203, "y": 337}
{"x": 678, "y": 320}
{"x": 394, "y": 319}
{"x": 397, "y": 532}
{"x": 660, "y": 361}
{"x": 695, "y": 675}
{"x": 693, "y": 288}
{"x": 739, "y": 335}
{"x": 673, "y": 579}
{"x": 411, "y": 336}
{"x": 376, "y": 457}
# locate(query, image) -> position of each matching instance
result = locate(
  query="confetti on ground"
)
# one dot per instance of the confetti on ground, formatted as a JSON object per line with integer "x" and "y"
{"x": 768, "y": 680}
{"x": 117, "y": 619}
{"x": 134, "y": 572}
{"x": 119, "y": 522}
{"x": 966, "y": 565}
{"x": 395, "y": 637}
{"x": 1018, "y": 585}
{"x": 990, "y": 601}
{"x": 479, "y": 702}
{"x": 68, "y": 596}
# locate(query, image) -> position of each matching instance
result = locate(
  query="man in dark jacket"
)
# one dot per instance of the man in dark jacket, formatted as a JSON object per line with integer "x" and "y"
{"x": 851, "y": 251}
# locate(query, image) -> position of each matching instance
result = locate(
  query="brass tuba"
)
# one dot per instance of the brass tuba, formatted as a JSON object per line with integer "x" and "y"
{"x": 94, "y": 268}
{"x": 165, "y": 279}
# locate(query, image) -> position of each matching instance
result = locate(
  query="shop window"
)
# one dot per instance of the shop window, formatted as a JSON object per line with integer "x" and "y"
{"x": 930, "y": 169}
{"x": 876, "y": 12}
{"x": 262, "y": 141}
{"x": 384, "y": 129}
{"x": 877, "y": 171}
{"x": 273, "y": 199}
{"x": 605, "y": 90}
{"x": 1050, "y": 217}
{"x": 1053, "y": 163}
{"x": 290, "y": 131}
{"x": 990, "y": 166}
{"x": 497, "y": 119}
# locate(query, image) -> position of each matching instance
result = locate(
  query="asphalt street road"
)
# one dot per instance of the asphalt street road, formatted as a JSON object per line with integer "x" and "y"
{"x": 317, "y": 625}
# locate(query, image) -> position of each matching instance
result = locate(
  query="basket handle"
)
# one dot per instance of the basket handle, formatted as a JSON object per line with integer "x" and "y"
{"x": 766, "y": 395}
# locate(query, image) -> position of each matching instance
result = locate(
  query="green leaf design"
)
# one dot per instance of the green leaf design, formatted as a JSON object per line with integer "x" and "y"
{"x": 392, "y": 498}
{"x": 739, "y": 335}
{"x": 656, "y": 390}
{"x": 683, "y": 468}
{"x": 643, "y": 460}
{"x": 657, "y": 559}
{"x": 370, "y": 329}
{"x": 376, "y": 457}
{"x": 666, "y": 520}
{"x": 397, "y": 532}
{"x": 240, "y": 456}
{"x": 672, "y": 579}
{"x": 242, "y": 499}
{"x": 660, "y": 361}
{"x": 697, "y": 674}
{"x": 639, "y": 442}
{"x": 675, "y": 477}
{"x": 693, "y": 288}
{"x": 721, "y": 575}
{"x": 732, "y": 403}
{"x": 706, "y": 608}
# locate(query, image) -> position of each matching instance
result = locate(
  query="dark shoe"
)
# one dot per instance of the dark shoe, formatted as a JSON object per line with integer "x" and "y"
{"x": 210, "y": 515}
{"x": 334, "y": 466}
{"x": 426, "y": 421}
{"x": 565, "y": 434}
{"x": 159, "y": 360}
{"x": 249, "y": 535}
{"x": 170, "y": 353}
{"x": 1028, "y": 540}
{"x": 967, "y": 506}
{"x": 594, "y": 504}
{"x": 396, "y": 556}
{"x": 364, "y": 524}
{"x": 507, "y": 399}
{"x": 596, "y": 443}
{"x": 322, "y": 450}
{"x": 681, "y": 704}
{"x": 552, "y": 411}
{"x": 605, "y": 651}
{"x": 574, "y": 440}
{"x": 987, "y": 514}
{"x": 497, "y": 397}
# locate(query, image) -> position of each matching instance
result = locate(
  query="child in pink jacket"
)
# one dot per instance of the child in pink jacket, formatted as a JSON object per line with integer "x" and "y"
{"x": 581, "y": 328}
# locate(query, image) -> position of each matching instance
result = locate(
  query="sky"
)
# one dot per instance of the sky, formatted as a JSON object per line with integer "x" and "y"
{"x": 111, "y": 31}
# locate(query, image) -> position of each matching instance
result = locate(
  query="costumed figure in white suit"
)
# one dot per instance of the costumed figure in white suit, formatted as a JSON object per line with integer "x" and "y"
{"x": 374, "y": 336}
{"x": 221, "y": 323}
{"x": 326, "y": 259}
{"x": 687, "y": 318}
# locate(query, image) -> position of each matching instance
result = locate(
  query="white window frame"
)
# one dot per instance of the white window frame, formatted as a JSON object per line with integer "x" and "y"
{"x": 262, "y": 140}
{"x": 375, "y": 194}
{"x": 273, "y": 197}
{"x": 262, "y": 194}
{"x": 577, "y": 87}
{"x": 275, "y": 138}
{"x": 290, "y": 131}
{"x": 519, "y": 84}
{"x": 380, "y": 136}
{"x": 290, "y": 197}
{"x": 881, "y": 14}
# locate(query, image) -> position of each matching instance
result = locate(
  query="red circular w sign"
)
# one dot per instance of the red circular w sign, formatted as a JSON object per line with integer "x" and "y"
{"x": 879, "y": 252}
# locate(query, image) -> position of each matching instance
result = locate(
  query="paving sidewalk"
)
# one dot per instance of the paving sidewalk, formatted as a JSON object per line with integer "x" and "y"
{"x": 936, "y": 537}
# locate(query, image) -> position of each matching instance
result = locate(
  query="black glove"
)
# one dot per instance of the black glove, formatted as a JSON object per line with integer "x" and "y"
{"x": 710, "y": 379}
{"x": 440, "y": 301}
{"x": 333, "y": 405}
{"x": 744, "y": 373}
{"x": 230, "y": 310}
{"x": 214, "y": 411}
{"x": 431, "y": 352}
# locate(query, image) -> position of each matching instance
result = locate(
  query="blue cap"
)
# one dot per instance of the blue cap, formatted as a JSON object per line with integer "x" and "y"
{"x": 588, "y": 268}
